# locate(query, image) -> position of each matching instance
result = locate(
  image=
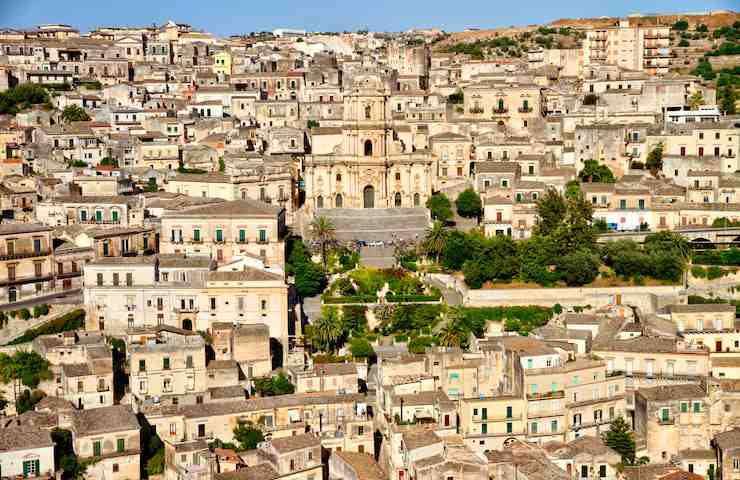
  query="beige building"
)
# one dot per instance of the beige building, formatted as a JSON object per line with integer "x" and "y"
{"x": 633, "y": 48}
{"x": 366, "y": 163}
{"x": 167, "y": 366}
{"x": 226, "y": 231}
{"x": 325, "y": 377}
{"x": 110, "y": 434}
{"x": 26, "y": 261}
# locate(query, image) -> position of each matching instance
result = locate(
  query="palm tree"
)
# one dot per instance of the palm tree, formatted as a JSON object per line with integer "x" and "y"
{"x": 328, "y": 329}
{"x": 323, "y": 231}
{"x": 435, "y": 239}
{"x": 450, "y": 336}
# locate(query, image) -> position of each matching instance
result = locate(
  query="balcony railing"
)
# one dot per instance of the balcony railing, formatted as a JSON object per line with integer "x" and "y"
{"x": 500, "y": 110}
{"x": 525, "y": 109}
{"x": 21, "y": 255}
{"x": 103, "y": 388}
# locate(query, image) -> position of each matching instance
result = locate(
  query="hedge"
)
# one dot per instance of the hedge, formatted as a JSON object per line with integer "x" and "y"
{"x": 73, "y": 320}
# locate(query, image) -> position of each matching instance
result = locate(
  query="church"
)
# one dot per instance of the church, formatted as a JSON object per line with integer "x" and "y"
{"x": 368, "y": 161}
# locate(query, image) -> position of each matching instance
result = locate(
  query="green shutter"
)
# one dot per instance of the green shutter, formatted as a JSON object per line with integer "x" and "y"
{"x": 120, "y": 445}
{"x": 484, "y": 428}
{"x": 98, "y": 216}
{"x": 219, "y": 235}
{"x": 242, "y": 236}
{"x": 96, "y": 449}
{"x": 114, "y": 215}
{"x": 196, "y": 234}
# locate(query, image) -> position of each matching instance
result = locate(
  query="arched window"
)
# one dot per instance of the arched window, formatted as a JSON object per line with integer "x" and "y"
{"x": 368, "y": 148}
{"x": 500, "y": 104}
{"x": 417, "y": 199}
{"x": 319, "y": 202}
{"x": 338, "y": 201}
{"x": 397, "y": 199}
{"x": 339, "y": 177}
{"x": 368, "y": 112}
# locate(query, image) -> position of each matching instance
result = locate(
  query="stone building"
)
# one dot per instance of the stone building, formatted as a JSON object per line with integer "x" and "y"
{"x": 368, "y": 165}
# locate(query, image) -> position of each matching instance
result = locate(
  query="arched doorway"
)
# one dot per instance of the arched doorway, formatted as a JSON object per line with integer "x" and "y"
{"x": 338, "y": 201}
{"x": 417, "y": 199}
{"x": 187, "y": 324}
{"x": 319, "y": 202}
{"x": 368, "y": 148}
{"x": 368, "y": 197}
{"x": 397, "y": 199}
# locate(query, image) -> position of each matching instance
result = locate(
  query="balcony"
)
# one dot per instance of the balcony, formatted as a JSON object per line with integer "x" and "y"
{"x": 25, "y": 279}
{"x": 476, "y": 110}
{"x": 22, "y": 255}
{"x": 187, "y": 310}
{"x": 99, "y": 222}
{"x": 263, "y": 242}
{"x": 546, "y": 395}
{"x": 500, "y": 111}
{"x": 103, "y": 388}
{"x": 666, "y": 421}
{"x": 525, "y": 109}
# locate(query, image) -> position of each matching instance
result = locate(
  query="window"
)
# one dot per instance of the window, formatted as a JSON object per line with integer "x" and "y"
{"x": 142, "y": 365}
{"x": 509, "y": 427}
{"x": 129, "y": 279}
{"x": 664, "y": 414}
{"x": 602, "y": 471}
{"x": 166, "y": 363}
{"x": 736, "y": 463}
{"x": 120, "y": 445}
{"x": 509, "y": 411}
{"x": 554, "y": 426}
{"x": 697, "y": 407}
{"x": 219, "y": 235}
{"x": 97, "y": 451}
{"x": 196, "y": 235}
{"x": 31, "y": 468}
{"x": 115, "y": 279}
{"x": 99, "y": 278}
{"x": 242, "y": 235}
{"x": 263, "y": 235}
{"x": 684, "y": 407}
{"x": 533, "y": 427}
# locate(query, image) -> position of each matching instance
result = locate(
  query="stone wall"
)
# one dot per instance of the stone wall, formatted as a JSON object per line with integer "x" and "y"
{"x": 648, "y": 299}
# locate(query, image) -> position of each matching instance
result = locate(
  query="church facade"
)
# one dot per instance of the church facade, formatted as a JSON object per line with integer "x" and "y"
{"x": 367, "y": 162}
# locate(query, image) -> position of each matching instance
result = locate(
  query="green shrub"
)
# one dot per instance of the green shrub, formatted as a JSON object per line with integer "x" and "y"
{"x": 73, "y": 320}
{"x": 25, "y": 314}
{"x": 401, "y": 338}
{"x": 40, "y": 310}
{"x": 698, "y": 272}
{"x": 714, "y": 272}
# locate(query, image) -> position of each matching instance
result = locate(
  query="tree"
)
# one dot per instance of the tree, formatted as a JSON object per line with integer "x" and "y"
{"x": 668, "y": 241}
{"x": 456, "y": 98}
{"x": 681, "y": 25}
{"x": 323, "y": 231}
{"x": 469, "y": 204}
{"x": 419, "y": 344}
{"x": 728, "y": 101}
{"x": 595, "y": 172}
{"x": 450, "y": 335}
{"x": 683, "y": 43}
{"x": 74, "y": 113}
{"x": 440, "y": 207}
{"x": 310, "y": 279}
{"x": 702, "y": 28}
{"x": 27, "y": 400}
{"x": 64, "y": 455}
{"x": 361, "y": 348}
{"x": 654, "y": 160}
{"x": 696, "y": 100}
{"x": 619, "y": 438}
{"x": 23, "y": 96}
{"x": 435, "y": 239}
{"x": 327, "y": 332}
{"x": 274, "y": 386}
{"x": 28, "y": 367}
{"x": 579, "y": 268}
{"x": 221, "y": 164}
{"x": 572, "y": 189}
{"x": 551, "y": 210}
{"x": 151, "y": 185}
{"x": 248, "y": 435}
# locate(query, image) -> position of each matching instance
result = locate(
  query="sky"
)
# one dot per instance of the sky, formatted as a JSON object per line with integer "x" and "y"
{"x": 227, "y": 17}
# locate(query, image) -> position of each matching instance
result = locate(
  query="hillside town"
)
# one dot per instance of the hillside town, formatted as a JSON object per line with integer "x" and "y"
{"x": 508, "y": 254}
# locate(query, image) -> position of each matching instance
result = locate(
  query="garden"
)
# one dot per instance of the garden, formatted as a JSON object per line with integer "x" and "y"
{"x": 562, "y": 251}
{"x": 373, "y": 285}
